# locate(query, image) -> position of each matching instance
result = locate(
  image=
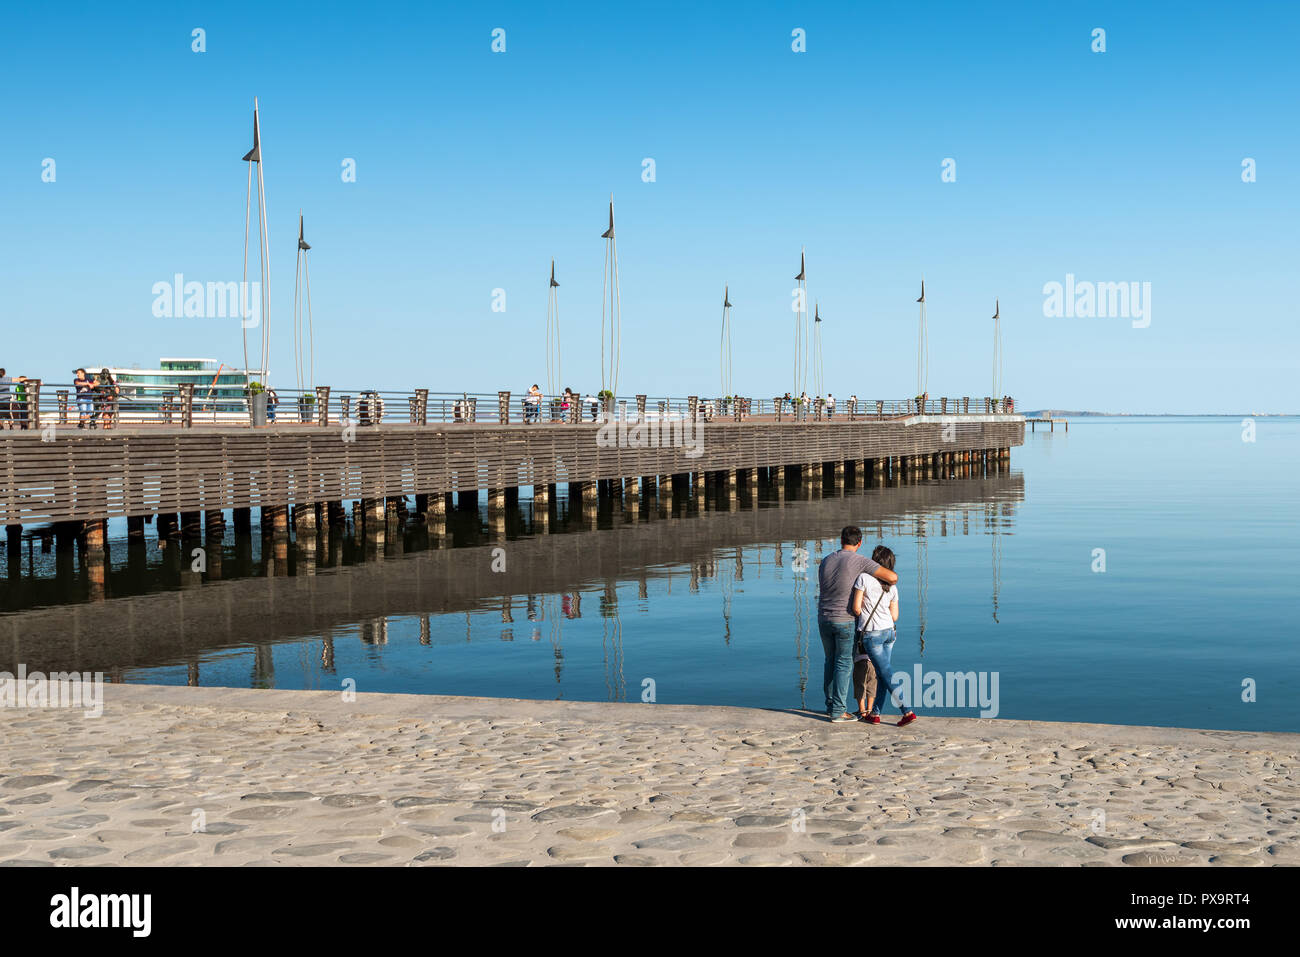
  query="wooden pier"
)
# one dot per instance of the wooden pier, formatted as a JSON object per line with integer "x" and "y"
{"x": 1049, "y": 422}
{"x": 185, "y": 478}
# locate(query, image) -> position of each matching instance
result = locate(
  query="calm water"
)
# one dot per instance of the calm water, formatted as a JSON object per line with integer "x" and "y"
{"x": 1201, "y": 540}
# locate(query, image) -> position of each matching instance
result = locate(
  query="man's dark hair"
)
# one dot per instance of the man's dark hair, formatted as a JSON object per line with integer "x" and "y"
{"x": 850, "y": 535}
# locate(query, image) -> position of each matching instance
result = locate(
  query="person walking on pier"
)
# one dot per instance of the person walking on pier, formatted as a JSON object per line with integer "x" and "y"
{"x": 6, "y": 399}
{"x": 876, "y": 607}
{"x": 85, "y": 389}
{"x": 836, "y": 575}
{"x": 830, "y": 406}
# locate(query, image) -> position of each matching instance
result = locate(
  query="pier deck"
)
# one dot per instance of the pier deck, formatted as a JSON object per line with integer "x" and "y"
{"x": 89, "y": 476}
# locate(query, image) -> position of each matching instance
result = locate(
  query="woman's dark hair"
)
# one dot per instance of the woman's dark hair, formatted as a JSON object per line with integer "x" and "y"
{"x": 883, "y": 557}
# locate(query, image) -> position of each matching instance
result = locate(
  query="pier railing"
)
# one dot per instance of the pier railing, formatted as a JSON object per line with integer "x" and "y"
{"x": 58, "y": 405}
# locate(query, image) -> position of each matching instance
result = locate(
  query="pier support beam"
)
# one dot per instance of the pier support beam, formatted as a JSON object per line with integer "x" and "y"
{"x": 275, "y": 520}
{"x": 167, "y": 526}
{"x": 135, "y": 528}
{"x": 243, "y": 520}
{"x": 305, "y": 519}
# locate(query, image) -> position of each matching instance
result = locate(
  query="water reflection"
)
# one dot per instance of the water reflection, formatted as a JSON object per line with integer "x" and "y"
{"x": 339, "y": 594}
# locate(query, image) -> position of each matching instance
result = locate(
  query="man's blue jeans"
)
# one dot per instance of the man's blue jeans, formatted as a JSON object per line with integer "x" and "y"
{"x": 879, "y": 646}
{"x": 837, "y": 676}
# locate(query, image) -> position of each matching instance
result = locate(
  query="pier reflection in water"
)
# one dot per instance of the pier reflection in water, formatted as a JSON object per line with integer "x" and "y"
{"x": 511, "y": 603}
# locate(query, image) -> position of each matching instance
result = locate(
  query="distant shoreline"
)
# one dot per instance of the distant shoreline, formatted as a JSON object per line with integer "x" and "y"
{"x": 1067, "y": 413}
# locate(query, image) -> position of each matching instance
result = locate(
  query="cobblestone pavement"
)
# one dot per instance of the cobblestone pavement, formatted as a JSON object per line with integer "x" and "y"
{"x": 172, "y": 775}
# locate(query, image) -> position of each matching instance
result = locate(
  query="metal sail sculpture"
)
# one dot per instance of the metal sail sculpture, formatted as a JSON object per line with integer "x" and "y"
{"x": 262, "y": 319}
{"x": 817, "y": 351}
{"x": 304, "y": 365}
{"x": 554, "y": 372}
{"x": 726, "y": 341}
{"x": 922, "y": 350}
{"x": 611, "y": 329}
{"x": 800, "y": 329}
{"x": 997, "y": 351}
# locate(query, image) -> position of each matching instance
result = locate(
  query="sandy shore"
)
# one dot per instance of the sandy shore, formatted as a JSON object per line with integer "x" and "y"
{"x": 220, "y": 776}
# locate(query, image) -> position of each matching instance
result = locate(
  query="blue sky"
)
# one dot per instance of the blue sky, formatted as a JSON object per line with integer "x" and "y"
{"x": 474, "y": 169}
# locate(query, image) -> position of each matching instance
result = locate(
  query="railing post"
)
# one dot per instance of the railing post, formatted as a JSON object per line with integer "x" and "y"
{"x": 778, "y": 402}
{"x": 34, "y": 403}
{"x": 322, "y": 405}
{"x": 693, "y": 406}
{"x": 880, "y": 408}
{"x": 345, "y": 407}
{"x": 943, "y": 405}
{"x": 187, "y": 405}
{"x": 965, "y": 405}
{"x": 503, "y": 407}
{"x": 421, "y": 406}
{"x": 168, "y": 407}
{"x": 640, "y": 407}
{"x": 412, "y": 409}
{"x": 817, "y": 413}
{"x": 62, "y": 396}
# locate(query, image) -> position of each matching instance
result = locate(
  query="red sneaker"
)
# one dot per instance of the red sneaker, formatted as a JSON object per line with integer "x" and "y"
{"x": 907, "y": 718}
{"x": 872, "y": 719}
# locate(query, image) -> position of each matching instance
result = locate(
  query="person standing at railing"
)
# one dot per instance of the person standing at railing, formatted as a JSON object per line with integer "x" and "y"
{"x": 85, "y": 389}
{"x": 106, "y": 393}
{"x": 6, "y": 400}
{"x": 20, "y": 401}
{"x": 533, "y": 404}
{"x": 830, "y": 406}
{"x": 272, "y": 400}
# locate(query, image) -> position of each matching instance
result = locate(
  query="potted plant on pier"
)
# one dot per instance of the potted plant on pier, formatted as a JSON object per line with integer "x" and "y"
{"x": 256, "y": 402}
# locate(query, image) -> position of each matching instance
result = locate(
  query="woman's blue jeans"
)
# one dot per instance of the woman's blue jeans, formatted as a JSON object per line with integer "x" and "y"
{"x": 880, "y": 648}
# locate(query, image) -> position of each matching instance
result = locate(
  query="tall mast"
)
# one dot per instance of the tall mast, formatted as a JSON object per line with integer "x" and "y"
{"x": 997, "y": 351}
{"x": 304, "y": 369}
{"x": 554, "y": 373}
{"x": 818, "y": 377}
{"x": 726, "y": 341}
{"x": 800, "y": 328}
{"x": 255, "y": 156}
{"x": 922, "y": 349}
{"x": 613, "y": 328}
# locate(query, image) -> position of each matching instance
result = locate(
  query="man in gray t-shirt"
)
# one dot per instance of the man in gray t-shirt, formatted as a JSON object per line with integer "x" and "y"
{"x": 835, "y": 577}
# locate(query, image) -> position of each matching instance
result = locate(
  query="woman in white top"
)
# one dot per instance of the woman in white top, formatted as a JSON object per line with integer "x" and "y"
{"x": 876, "y": 606}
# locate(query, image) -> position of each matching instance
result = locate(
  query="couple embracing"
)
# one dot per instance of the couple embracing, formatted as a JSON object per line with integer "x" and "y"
{"x": 857, "y": 608}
